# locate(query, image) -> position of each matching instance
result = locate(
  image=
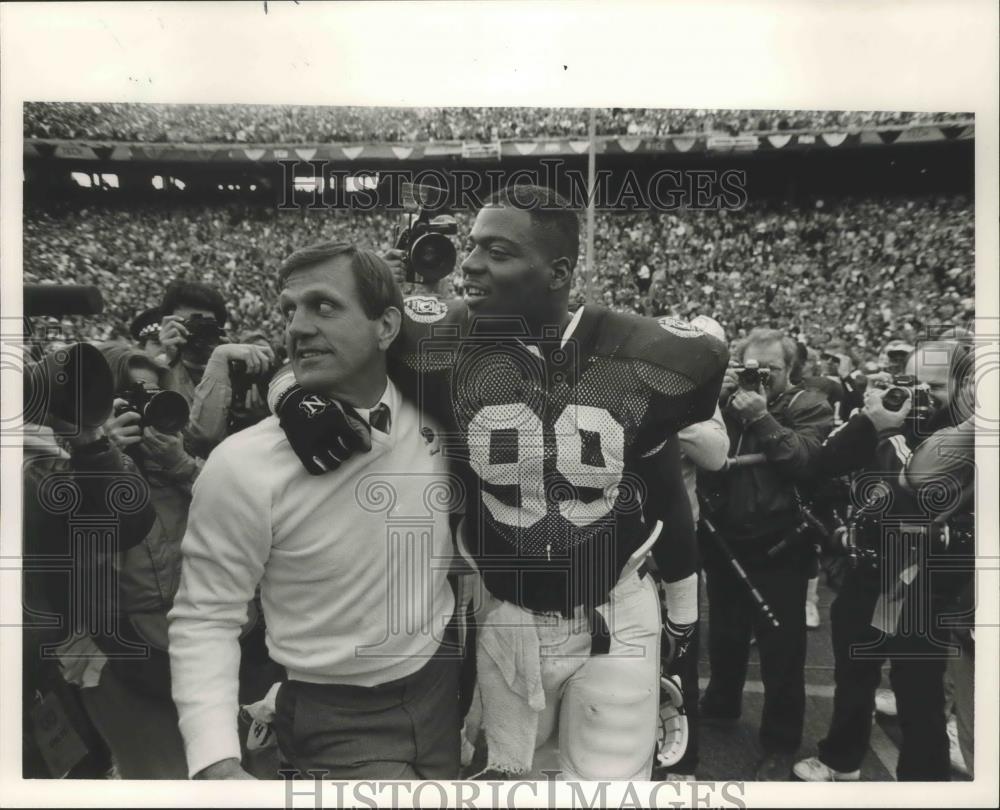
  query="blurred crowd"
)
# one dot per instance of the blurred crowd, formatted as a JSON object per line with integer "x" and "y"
{"x": 855, "y": 271}
{"x": 246, "y": 123}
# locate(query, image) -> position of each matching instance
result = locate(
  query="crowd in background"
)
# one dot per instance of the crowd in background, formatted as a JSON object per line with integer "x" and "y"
{"x": 246, "y": 123}
{"x": 858, "y": 271}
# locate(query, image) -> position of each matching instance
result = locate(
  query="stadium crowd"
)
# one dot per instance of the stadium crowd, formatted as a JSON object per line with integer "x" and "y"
{"x": 856, "y": 271}
{"x": 244, "y": 123}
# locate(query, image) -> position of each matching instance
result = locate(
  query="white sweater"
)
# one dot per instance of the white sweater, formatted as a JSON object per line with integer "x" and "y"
{"x": 352, "y": 566}
{"x": 704, "y": 446}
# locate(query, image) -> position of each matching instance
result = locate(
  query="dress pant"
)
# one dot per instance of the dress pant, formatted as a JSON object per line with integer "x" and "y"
{"x": 733, "y": 616}
{"x": 917, "y": 666}
{"x": 404, "y": 729}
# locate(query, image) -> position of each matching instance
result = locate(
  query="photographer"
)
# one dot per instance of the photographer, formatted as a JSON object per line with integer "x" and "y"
{"x": 890, "y": 605}
{"x": 202, "y": 364}
{"x": 138, "y": 719}
{"x": 70, "y": 461}
{"x": 755, "y": 509}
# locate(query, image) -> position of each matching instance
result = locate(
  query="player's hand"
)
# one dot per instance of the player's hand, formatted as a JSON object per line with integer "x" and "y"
{"x": 881, "y": 418}
{"x": 123, "y": 430}
{"x": 173, "y": 336}
{"x": 226, "y": 769}
{"x": 258, "y": 359}
{"x": 679, "y": 638}
{"x": 396, "y": 259}
{"x": 748, "y": 405}
{"x": 322, "y": 432}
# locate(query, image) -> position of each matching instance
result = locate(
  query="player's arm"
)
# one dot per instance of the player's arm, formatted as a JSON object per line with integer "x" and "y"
{"x": 675, "y": 550}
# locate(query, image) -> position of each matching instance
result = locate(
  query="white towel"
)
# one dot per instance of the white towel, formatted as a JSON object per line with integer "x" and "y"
{"x": 510, "y": 685}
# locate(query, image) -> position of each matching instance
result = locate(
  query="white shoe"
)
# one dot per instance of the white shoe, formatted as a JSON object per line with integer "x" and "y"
{"x": 812, "y": 770}
{"x": 885, "y": 702}
{"x": 812, "y": 615}
{"x": 955, "y": 749}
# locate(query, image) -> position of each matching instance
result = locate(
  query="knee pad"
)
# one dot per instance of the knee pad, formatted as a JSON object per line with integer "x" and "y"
{"x": 608, "y": 721}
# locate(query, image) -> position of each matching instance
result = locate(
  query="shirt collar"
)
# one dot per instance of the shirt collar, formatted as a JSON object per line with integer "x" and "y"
{"x": 390, "y": 397}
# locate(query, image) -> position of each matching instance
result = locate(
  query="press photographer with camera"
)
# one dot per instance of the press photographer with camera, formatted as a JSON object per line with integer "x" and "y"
{"x": 203, "y": 366}
{"x": 69, "y": 461}
{"x": 776, "y": 428}
{"x": 889, "y": 605}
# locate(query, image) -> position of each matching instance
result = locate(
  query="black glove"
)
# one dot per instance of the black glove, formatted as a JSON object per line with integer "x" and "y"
{"x": 677, "y": 638}
{"x": 322, "y": 432}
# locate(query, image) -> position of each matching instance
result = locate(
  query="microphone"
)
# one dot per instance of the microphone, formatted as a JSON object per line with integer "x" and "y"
{"x": 62, "y": 299}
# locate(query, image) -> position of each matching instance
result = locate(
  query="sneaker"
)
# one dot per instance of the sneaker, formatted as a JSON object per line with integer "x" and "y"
{"x": 812, "y": 615}
{"x": 885, "y": 702}
{"x": 955, "y": 749}
{"x": 812, "y": 770}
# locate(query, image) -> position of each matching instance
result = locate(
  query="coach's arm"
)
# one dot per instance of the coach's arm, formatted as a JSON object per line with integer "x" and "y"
{"x": 224, "y": 551}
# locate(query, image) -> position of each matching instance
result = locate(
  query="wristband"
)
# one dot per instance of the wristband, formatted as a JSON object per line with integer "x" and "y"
{"x": 282, "y": 382}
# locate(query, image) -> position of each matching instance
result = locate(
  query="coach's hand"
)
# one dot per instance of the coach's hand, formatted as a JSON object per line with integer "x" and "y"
{"x": 322, "y": 432}
{"x": 226, "y": 769}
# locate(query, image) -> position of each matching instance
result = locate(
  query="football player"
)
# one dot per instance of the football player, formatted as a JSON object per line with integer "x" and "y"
{"x": 563, "y": 426}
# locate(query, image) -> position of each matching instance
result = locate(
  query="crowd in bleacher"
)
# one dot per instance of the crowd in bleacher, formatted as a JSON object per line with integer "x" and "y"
{"x": 246, "y": 123}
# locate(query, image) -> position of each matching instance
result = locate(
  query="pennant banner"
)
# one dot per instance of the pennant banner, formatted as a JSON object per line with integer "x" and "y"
{"x": 496, "y": 150}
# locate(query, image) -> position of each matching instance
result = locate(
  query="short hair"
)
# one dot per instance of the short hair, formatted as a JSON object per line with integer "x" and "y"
{"x": 548, "y": 210}
{"x": 377, "y": 289}
{"x": 762, "y": 336}
{"x": 195, "y": 294}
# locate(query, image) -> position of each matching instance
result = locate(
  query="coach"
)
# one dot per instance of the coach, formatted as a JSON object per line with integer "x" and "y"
{"x": 356, "y": 605}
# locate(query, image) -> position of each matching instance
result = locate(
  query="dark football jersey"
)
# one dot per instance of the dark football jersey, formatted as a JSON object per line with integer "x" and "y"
{"x": 547, "y": 435}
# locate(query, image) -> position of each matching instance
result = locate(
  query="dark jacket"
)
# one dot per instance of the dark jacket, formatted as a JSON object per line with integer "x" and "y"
{"x": 760, "y": 500}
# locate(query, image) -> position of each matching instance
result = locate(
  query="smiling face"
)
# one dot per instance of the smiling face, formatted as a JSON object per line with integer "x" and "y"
{"x": 333, "y": 346}
{"x": 509, "y": 270}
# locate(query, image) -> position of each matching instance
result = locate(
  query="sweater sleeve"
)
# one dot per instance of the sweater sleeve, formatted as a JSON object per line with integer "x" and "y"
{"x": 706, "y": 444}
{"x": 225, "y": 548}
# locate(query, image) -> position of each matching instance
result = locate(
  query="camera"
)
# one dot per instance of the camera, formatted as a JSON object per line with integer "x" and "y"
{"x": 167, "y": 411}
{"x": 73, "y": 385}
{"x": 751, "y": 377}
{"x": 241, "y": 381}
{"x": 424, "y": 240}
{"x": 204, "y": 334}
{"x": 904, "y": 387}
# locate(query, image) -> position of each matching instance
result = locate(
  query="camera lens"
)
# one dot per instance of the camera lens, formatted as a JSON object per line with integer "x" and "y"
{"x": 167, "y": 411}
{"x": 433, "y": 256}
{"x": 894, "y": 398}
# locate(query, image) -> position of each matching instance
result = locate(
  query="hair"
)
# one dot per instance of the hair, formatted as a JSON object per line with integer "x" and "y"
{"x": 762, "y": 336}
{"x": 377, "y": 289}
{"x": 548, "y": 210}
{"x": 182, "y": 293}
